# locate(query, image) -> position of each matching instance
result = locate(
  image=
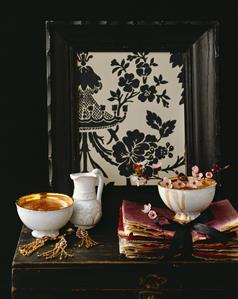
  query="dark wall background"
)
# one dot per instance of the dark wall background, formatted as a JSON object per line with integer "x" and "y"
{"x": 23, "y": 120}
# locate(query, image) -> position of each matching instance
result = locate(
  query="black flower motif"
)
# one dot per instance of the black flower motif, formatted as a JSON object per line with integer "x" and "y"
{"x": 147, "y": 93}
{"x": 143, "y": 69}
{"x": 161, "y": 152}
{"x": 128, "y": 82}
{"x": 132, "y": 149}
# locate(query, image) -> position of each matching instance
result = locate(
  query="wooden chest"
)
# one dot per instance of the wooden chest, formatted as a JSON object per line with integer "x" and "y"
{"x": 100, "y": 272}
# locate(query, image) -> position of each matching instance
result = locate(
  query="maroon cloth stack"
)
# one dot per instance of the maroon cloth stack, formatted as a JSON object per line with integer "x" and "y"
{"x": 140, "y": 237}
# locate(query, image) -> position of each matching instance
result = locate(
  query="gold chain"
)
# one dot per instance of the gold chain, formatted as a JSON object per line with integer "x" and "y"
{"x": 60, "y": 246}
{"x": 57, "y": 251}
{"x": 86, "y": 240}
{"x": 28, "y": 249}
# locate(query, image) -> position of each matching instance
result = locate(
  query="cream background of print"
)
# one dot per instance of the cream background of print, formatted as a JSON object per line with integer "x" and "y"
{"x": 136, "y": 115}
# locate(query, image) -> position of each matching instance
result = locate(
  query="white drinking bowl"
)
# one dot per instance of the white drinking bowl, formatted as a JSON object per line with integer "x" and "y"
{"x": 188, "y": 203}
{"x": 45, "y": 213}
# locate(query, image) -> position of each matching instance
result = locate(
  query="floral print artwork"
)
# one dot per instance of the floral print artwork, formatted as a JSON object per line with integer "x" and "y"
{"x": 130, "y": 110}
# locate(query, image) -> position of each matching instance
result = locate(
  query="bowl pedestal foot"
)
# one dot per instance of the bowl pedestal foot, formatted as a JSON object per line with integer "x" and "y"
{"x": 183, "y": 217}
{"x": 45, "y": 233}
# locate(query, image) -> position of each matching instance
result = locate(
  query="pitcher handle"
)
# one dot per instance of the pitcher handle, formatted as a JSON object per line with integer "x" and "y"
{"x": 99, "y": 174}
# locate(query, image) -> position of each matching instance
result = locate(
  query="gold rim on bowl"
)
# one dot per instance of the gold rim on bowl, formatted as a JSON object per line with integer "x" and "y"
{"x": 36, "y": 196}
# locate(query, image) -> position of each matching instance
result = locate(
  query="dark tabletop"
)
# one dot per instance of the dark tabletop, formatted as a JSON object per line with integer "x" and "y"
{"x": 107, "y": 252}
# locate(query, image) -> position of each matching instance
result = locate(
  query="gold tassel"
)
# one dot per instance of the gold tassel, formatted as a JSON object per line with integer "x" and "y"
{"x": 29, "y": 248}
{"x": 58, "y": 250}
{"x": 86, "y": 240}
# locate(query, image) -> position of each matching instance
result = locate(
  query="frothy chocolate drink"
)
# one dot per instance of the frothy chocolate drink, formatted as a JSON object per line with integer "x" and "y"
{"x": 45, "y": 204}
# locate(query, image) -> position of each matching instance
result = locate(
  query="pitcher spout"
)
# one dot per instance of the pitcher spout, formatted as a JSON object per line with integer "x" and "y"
{"x": 74, "y": 176}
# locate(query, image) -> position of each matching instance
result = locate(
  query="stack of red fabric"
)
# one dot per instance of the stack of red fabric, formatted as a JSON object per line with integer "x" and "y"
{"x": 140, "y": 237}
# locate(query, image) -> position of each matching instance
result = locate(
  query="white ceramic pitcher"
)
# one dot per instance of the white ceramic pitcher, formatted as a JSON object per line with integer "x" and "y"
{"x": 87, "y": 204}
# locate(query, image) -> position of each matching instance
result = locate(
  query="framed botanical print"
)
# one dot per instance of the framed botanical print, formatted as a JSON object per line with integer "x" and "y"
{"x": 123, "y": 93}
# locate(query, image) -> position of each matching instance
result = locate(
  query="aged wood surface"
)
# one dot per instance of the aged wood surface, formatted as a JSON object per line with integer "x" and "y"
{"x": 103, "y": 254}
{"x": 101, "y": 272}
{"x": 101, "y": 269}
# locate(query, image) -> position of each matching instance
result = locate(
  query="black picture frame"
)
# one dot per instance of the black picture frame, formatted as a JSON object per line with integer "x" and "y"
{"x": 198, "y": 42}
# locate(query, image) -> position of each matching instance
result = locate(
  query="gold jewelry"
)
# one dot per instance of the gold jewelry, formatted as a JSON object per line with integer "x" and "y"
{"x": 58, "y": 250}
{"x": 86, "y": 240}
{"x": 28, "y": 249}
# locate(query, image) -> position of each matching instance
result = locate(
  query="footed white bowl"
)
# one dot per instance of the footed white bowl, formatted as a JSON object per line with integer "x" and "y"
{"x": 41, "y": 221}
{"x": 188, "y": 203}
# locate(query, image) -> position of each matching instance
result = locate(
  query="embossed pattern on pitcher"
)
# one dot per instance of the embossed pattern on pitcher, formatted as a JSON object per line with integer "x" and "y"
{"x": 86, "y": 213}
